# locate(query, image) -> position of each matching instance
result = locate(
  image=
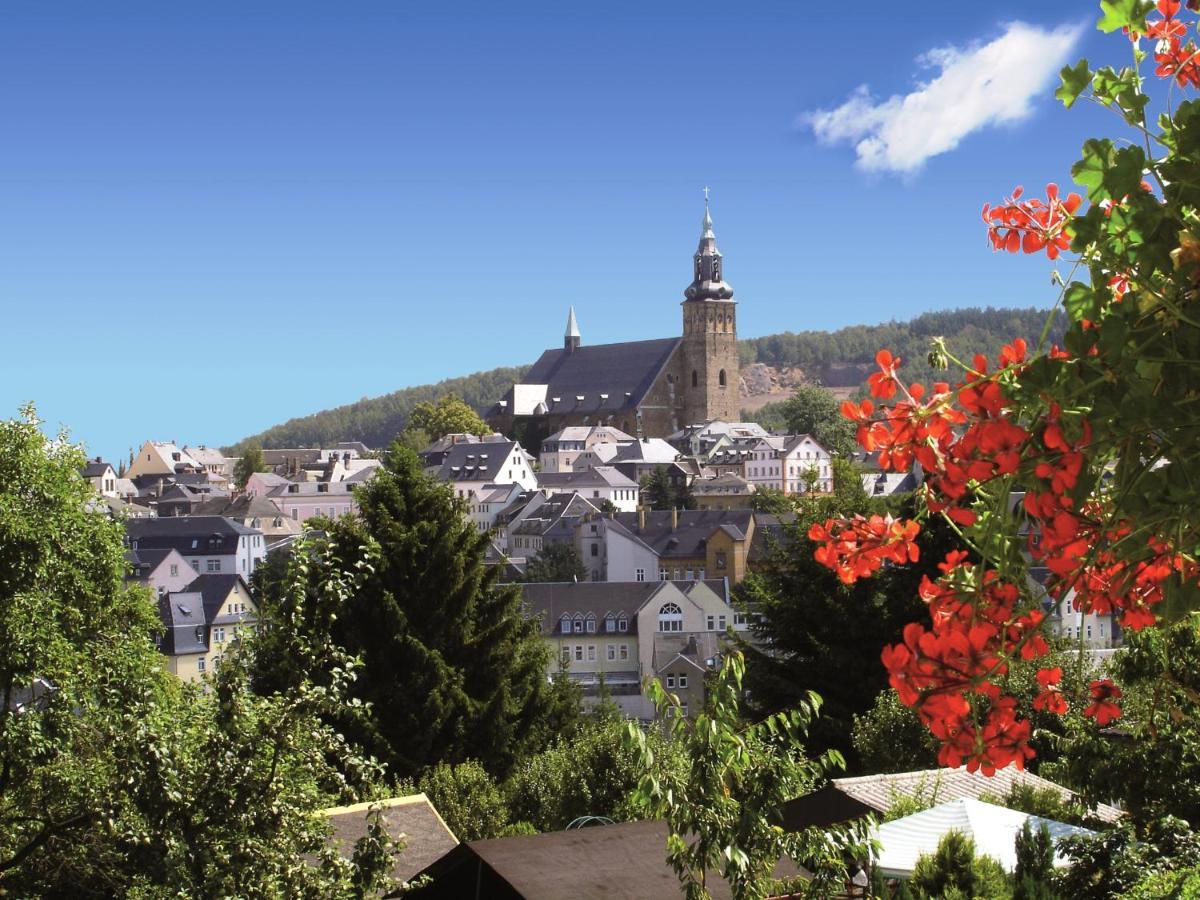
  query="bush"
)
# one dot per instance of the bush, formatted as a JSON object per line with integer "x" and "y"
{"x": 954, "y": 870}
{"x": 468, "y": 799}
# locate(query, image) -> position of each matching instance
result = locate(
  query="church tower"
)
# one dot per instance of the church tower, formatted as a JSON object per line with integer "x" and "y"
{"x": 709, "y": 370}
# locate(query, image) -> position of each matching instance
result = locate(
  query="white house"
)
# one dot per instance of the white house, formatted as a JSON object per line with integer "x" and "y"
{"x": 562, "y": 449}
{"x": 787, "y": 462}
{"x": 596, "y": 484}
{"x": 212, "y": 545}
{"x": 470, "y": 469}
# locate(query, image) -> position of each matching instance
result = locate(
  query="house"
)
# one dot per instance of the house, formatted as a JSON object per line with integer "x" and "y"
{"x": 678, "y": 545}
{"x": 210, "y": 544}
{"x": 162, "y": 458}
{"x": 622, "y": 861}
{"x": 412, "y": 820}
{"x": 102, "y": 476}
{"x": 543, "y": 520}
{"x": 561, "y": 449}
{"x": 163, "y": 571}
{"x": 794, "y": 464}
{"x": 257, "y": 512}
{"x": 644, "y": 388}
{"x": 599, "y": 484}
{"x": 311, "y": 463}
{"x": 728, "y": 491}
{"x": 994, "y": 830}
{"x": 635, "y": 458}
{"x": 202, "y": 622}
{"x": 846, "y": 799}
{"x": 702, "y": 439}
{"x": 260, "y": 484}
{"x": 301, "y": 500}
{"x": 470, "y": 468}
{"x": 490, "y": 501}
{"x": 626, "y": 632}
{"x": 214, "y": 461}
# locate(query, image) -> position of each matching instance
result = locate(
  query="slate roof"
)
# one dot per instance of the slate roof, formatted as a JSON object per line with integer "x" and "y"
{"x": 694, "y": 646}
{"x": 549, "y": 601}
{"x": 597, "y": 476}
{"x": 214, "y": 589}
{"x": 474, "y": 462}
{"x": 242, "y": 507}
{"x": 190, "y": 535}
{"x": 729, "y": 483}
{"x": 426, "y": 836}
{"x": 95, "y": 468}
{"x": 556, "y": 509}
{"x": 146, "y": 559}
{"x": 624, "y": 372}
{"x": 182, "y": 613}
{"x": 689, "y": 538}
{"x": 580, "y": 434}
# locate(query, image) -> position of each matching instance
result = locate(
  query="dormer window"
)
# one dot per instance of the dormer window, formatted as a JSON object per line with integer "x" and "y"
{"x": 610, "y": 623}
{"x": 566, "y": 624}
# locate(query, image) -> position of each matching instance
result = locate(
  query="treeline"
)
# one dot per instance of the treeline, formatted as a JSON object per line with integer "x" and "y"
{"x": 839, "y": 358}
{"x": 377, "y": 420}
{"x": 844, "y": 358}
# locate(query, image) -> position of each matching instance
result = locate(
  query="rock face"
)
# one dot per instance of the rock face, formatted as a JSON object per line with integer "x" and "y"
{"x": 759, "y": 380}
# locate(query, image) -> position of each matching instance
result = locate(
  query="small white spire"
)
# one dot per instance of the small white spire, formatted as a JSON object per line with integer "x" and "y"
{"x": 572, "y": 325}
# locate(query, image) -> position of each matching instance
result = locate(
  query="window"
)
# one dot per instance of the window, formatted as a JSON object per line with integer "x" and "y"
{"x": 722, "y": 560}
{"x": 639, "y": 574}
{"x": 683, "y": 681}
{"x": 683, "y": 710}
{"x": 695, "y": 379}
{"x": 664, "y": 574}
{"x": 610, "y": 624}
{"x": 213, "y": 565}
{"x": 670, "y": 681}
{"x": 721, "y": 378}
{"x": 579, "y": 626}
{"x": 622, "y": 624}
{"x": 591, "y": 652}
{"x": 295, "y": 513}
{"x": 219, "y": 635}
{"x": 595, "y": 549}
{"x": 566, "y": 654}
{"x": 595, "y": 494}
{"x": 591, "y": 624}
{"x": 721, "y": 623}
{"x": 174, "y": 569}
{"x": 200, "y": 664}
{"x": 612, "y": 652}
{"x": 679, "y": 574}
{"x": 670, "y": 618}
{"x": 579, "y": 652}
{"x": 711, "y": 622}
{"x": 624, "y": 651}
{"x": 699, "y": 574}
{"x": 196, "y": 564}
{"x": 688, "y": 574}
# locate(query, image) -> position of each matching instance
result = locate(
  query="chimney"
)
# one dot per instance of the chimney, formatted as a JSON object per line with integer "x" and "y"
{"x": 641, "y": 518}
{"x": 674, "y": 518}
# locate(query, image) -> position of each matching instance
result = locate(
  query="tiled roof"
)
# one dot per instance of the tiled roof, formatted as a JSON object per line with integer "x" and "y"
{"x": 689, "y": 537}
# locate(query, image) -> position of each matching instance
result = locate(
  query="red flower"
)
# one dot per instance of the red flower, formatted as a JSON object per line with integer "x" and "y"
{"x": 883, "y": 383}
{"x": 1103, "y": 708}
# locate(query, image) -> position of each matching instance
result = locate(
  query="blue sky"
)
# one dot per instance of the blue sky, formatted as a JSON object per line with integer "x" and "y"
{"x": 218, "y": 216}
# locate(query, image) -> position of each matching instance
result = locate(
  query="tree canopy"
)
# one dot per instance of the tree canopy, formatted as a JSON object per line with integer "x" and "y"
{"x": 556, "y": 562}
{"x": 449, "y": 415}
{"x": 429, "y": 616}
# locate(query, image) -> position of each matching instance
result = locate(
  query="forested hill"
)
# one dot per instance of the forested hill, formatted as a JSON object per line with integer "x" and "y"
{"x": 835, "y": 359}
{"x": 845, "y": 357}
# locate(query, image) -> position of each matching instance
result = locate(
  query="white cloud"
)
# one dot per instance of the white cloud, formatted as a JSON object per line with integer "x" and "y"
{"x": 975, "y": 87}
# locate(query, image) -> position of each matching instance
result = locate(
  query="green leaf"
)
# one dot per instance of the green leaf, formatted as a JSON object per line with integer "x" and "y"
{"x": 1107, "y": 172}
{"x": 1118, "y": 14}
{"x": 1080, "y": 301}
{"x": 1075, "y": 80}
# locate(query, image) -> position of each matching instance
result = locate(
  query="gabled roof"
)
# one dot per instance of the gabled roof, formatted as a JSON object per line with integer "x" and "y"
{"x": 609, "y": 377}
{"x": 95, "y": 468}
{"x": 190, "y": 535}
{"x": 549, "y": 601}
{"x": 596, "y": 476}
{"x": 182, "y": 613}
{"x": 241, "y": 507}
{"x": 647, "y": 450}
{"x": 214, "y": 590}
{"x": 474, "y": 462}
{"x": 689, "y": 537}
{"x": 694, "y": 648}
{"x": 208, "y": 456}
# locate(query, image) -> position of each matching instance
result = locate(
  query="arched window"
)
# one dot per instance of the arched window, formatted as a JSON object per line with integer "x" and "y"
{"x": 695, "y": 379}
{"x": 566, "y": 624}
{"x": 721, "y": 378}
{"x": 670, "y": 617}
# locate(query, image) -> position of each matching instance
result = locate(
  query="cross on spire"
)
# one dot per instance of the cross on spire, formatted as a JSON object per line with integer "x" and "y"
{"x": 706, "y": 195}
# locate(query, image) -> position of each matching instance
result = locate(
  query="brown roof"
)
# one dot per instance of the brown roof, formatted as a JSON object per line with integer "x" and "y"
{"x": 426, "y": 837}
{"x": 627, "y": 861}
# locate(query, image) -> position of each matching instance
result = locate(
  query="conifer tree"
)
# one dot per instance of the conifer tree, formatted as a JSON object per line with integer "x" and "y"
{"x": 452, "y": 668}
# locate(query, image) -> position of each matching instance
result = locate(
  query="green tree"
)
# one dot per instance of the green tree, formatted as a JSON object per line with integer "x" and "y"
{"x": 772, "y": 501}
{"x": 430, "y": 617}
{"x": 954, "y": 870}
{"x": 659, "y": 491}
{"x": 556, "y": 562}
{"x": 1034, "y": 873}
{"x": 722, "y": 806}
{"x": 115, "y": 779}
{"x": 251, "y": 462}
{"x": 1115, "y": 862}
{"x": 816, "y": 411}
{"x": 448, "y": 416}
{"x": 890, "y": 738}
{"x": 468, "y": 798}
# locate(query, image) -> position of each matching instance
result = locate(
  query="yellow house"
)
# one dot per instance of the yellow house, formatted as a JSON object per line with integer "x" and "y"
{"x": 203, "y": 622}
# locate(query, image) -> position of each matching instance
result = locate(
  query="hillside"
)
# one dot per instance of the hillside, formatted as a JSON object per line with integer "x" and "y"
{"x": 772, "y": 366}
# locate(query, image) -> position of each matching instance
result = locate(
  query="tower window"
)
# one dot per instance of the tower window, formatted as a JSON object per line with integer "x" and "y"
{"x": 721, "y": 378}
{"x": 695, "y": 379}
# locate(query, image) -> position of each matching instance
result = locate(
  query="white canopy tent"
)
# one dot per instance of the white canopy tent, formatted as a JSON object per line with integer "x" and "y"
{"x": 993, "y": 828}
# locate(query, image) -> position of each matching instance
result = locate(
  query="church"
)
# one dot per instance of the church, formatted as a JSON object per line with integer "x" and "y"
{"x": 645, "y": 388}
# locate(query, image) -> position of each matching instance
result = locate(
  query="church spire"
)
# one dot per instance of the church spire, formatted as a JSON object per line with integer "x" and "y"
{"x": 707, "y": 282}
{"x": 571, "y": 338}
